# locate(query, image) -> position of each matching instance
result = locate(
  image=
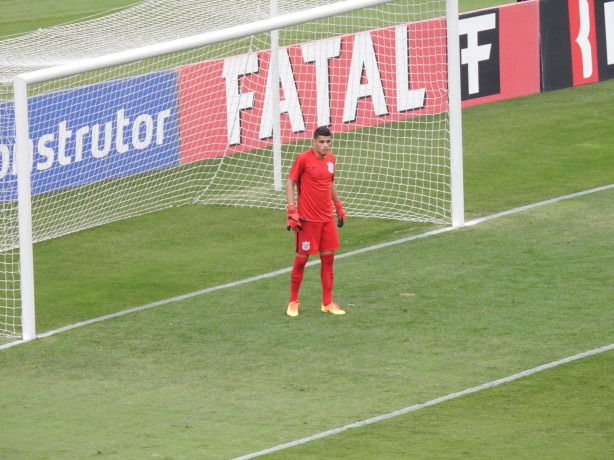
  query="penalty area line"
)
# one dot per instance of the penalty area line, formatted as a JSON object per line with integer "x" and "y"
{"x": 151, "y": 305}
{"x": 430, "y": 403}
{"x": 314, "y": 262}
{"x": 538, "y": 204}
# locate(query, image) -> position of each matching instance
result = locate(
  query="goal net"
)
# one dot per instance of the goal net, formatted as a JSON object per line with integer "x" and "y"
{"x": 179, "y": 102}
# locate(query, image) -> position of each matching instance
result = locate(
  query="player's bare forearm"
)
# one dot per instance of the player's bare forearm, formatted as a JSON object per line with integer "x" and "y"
{"x": 333, "y": 193}
{"x": 338, "y": 206}
{"x": 290, "y": 184}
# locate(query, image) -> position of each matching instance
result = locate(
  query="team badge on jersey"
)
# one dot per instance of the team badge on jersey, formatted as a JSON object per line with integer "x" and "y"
{"x": 331, "y": 167}
{"x": 305, "y": 245}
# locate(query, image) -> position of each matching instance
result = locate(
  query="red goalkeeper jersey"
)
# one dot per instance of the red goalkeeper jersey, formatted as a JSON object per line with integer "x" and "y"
{"x": 314, "y": 176}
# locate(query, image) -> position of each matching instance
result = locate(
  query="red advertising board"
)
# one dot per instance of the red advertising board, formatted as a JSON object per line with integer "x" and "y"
{"x": 354, "y": 81}
{"x": 345, "y": 82}
{"x": 515, "y": 44}
{"x": 584, "y": 42}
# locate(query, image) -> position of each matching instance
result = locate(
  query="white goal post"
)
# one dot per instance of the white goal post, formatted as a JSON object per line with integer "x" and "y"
{"x": 216, "y": 118}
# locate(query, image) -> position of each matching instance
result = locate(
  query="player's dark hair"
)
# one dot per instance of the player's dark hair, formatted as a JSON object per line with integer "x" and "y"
{"x": 321, "y": 131}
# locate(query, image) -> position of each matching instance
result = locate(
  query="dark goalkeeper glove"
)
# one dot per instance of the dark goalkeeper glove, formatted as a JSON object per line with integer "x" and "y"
{"x": 340, "y": 213}
{"x": 294, "y": 220}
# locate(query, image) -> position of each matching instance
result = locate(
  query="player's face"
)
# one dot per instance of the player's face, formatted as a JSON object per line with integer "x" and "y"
{"x": 321, "y": 145}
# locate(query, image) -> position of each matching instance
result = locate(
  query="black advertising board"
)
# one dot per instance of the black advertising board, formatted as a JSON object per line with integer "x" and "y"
{"x": 576, "y": 42}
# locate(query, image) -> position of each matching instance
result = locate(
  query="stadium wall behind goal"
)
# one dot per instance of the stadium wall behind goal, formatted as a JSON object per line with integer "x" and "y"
{"x": 532, "y": 46}
{"x": 509, "y": 51}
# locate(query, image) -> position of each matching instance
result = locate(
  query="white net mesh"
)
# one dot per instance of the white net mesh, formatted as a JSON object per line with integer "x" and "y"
{"x": 196, "y": 126}
{"x": 145, "y": 23}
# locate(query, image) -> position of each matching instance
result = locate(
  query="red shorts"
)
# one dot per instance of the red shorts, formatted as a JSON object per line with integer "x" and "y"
{"x": 317, "y": 237}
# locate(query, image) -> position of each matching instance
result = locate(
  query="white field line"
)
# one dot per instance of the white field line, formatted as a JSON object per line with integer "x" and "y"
{"x": 432, "y": 402}
{"x": 288, "y": 269}
{"x": 389, "y": 415}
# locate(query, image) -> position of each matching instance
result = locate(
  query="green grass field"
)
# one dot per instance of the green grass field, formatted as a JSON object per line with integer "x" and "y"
{"x": 226, "y": 373}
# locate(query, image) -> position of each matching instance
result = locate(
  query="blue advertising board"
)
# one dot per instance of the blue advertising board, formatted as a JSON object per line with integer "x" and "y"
{"x": 88, "y": 134}
{"x": 8, "y": 179}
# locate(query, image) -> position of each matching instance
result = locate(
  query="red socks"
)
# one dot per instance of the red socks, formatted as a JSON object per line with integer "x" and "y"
{"x": 327, "y": 277}
{"x": 296, "y": 277}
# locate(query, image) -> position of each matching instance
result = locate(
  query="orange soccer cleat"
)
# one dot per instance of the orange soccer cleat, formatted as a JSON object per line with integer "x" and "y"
{"x": 293, "y": 308}
{"x": 333, "y": 309}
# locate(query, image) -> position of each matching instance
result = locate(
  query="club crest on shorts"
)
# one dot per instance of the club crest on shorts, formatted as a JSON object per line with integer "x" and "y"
{"x": 331, "y": 167}
{"x": 305, "y": 245}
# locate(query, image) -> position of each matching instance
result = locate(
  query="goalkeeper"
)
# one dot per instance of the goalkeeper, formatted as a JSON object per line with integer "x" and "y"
{"x": 312, "y": 175}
